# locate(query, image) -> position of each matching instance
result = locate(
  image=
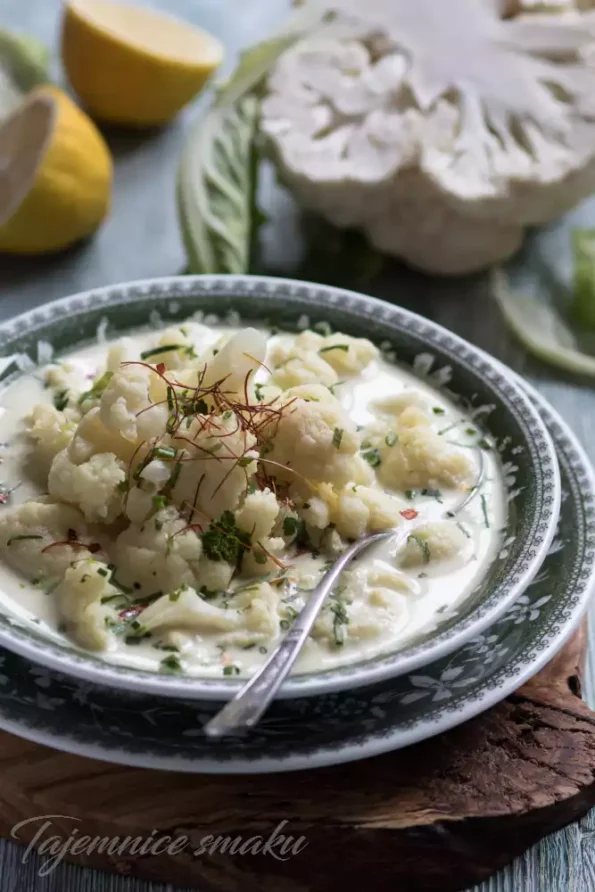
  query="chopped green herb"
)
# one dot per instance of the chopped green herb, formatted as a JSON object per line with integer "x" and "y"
{"x": 291, "y": 526}
{"x": 484, "y": 508}
{"x": 102, "y": 571}
{"x": 284, "y": 624}
{"x": 344, "y": 347}
{"x": 174, "y": 476}
{"x": 61, "y": 400}
{"x": 22, "y": 538}
{"x": 340, "y": 620}
{"x": 438, "y": 410}
{"x": 249, "y": 646}
{"x": 262, "y": 649}
{"x": 136, "y": 639}
{"x": 208, "y": 593}
{"x": 123, "y": 486}
{"x": 260, "y": 557}
{"x": 231, "y": 670}
{"x": 245, "y": 461}
{"x": 158, "y": 524}
{"x": 164, "y": 452}
{"x": 227, "y": 415}
{"x": 484, "y": 444}
{"x": 337, "y": 437}
{"x": 224, "y": 541}
{"x": 98, "y": 387}
{"x": 196, "y": 407}
{"x": 372, "y": 456}
{"x": 258, "y": 391}
{"x": 169, "y": 647}
{"x": 471, "y": 431}
{"x": 252, "y": 487}
{"x": 391, "y": 438}
{"x": 409, "y": 494}
{"x": 421, "y": 543}
{"x": 171, "y": 664}
{"x": 463, "y": 530}
{"x": 155, "y": 351}
{"x": 159, "y": 502}
{"x": 323, "y": 328}
{"x": 170, "y": 398}
{"x": 190, "y": 352}
{"x": 432, "y": 493}
{"x": 175, "y": 596}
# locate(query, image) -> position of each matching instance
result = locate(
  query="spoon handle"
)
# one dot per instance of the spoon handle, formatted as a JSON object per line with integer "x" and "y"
{"x": 251, "y": 701}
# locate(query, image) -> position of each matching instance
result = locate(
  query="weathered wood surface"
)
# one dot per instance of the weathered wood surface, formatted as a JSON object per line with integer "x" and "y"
{"x": 437, "y": 816}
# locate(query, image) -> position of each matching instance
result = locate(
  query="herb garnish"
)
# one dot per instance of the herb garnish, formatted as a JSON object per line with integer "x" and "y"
{"x": 340, "y": 620}
{"x": 421, "y": 543}
{"x": 343, "y": 347}
{"x": 391, "y": 438}
{"x": 484, "y": 508}
{"x": 155, "y": 351}
{"x": 372, "y": 456}
{"x": 171, "y": 665}
{"x": 337, "y": 437}
{"x": 61, "y": 400}
{"x": 98, "y": 387}
{"x": 224, "y": 541}
{"x": 22, "y": 538}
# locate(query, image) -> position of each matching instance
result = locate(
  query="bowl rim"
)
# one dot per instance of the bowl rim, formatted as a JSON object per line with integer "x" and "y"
{"x": 87, "y": 666}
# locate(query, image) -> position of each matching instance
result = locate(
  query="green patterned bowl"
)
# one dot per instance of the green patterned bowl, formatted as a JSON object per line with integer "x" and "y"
{"x": 447, "y": 362}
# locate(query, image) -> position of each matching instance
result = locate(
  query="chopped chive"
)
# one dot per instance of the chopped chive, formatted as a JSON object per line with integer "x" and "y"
{"x": 170, "y": 398}
{"x": 432, "y": 493}
{"x": 164, "y": 452}
{"x": 438, "y": 410}
{"x": 337, "y": 437}
{"x": 484, "y": 444}
{"x": 245, "y": 461}
{"x": 372, "y": 456}
{"x": 21, "y": 538}
{"x": 344, "y": 347}
{"x": 61, "y": 400}
{"x": 421, "y": 543}
{"x": 231, "y": 670}
{"x": 391, "y": 438}
{"x": 463, "y": 530}
{"x": 98, "y": 387}
{"x": 103, "y": 571}
{"x": 260, "y": 557}
{"x": 258, "y": 392}
{"x": 171, "y": 664}
{"x": 409, "y": 494}
{"x": 159, "y": 502}
{"x": 291, "y": 526}
{"x": 174, "y": 475}
{"x": 155, "y": 351}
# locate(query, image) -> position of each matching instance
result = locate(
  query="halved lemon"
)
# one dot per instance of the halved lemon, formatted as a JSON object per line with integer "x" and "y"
{"x": 132, "y": 65}
{"x": 55, "y": 175}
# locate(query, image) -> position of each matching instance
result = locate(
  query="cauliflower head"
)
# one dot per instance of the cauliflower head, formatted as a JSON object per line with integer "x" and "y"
{"x": 93, "y": 486}
{"x": 442, "y": 144}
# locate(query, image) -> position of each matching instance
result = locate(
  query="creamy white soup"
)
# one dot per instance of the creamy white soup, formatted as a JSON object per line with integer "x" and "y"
{"x": 181, "y": 492}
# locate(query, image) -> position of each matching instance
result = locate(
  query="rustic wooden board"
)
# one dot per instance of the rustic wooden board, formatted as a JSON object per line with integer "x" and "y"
{"x": 441, "y": 815}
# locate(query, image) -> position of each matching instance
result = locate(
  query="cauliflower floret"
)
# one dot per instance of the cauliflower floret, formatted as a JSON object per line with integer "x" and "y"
{"x": 258, "y": 560}
{"x": 260, "y": 607}
{"x": 353, "y": 510}
{"x": 92, "y": 486}
{"x": 214, "y": 576}
{"x": 258, "y": 514}
{"x": 235, "y": 363}
{"x": 122, "y": 350}
{"x": 27, "y": 529}
{"x": 347, "y": 362}
{"x": 317, "y": 441}
{"x": 429, "y": 542}
{"x": 92, "y": 437}
{"x": 315, "y": 512}
{"x": 161, "y": 555}
{"x": 297, "y": 367}
{"x": 187, "y": 611}
{"x": 415, "y": 456}
{"x": 134, "y": 403}
{"x": 312, "y": 393}
{"x": 219, "y": 467}
{"x": 51, "y": 432}
{"x": 79, "y": 596}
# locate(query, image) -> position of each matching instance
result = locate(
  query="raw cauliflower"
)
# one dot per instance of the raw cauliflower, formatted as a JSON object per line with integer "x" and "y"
{"x": 27, "y": 529}
{"x": 161, "y": 555}
{"x": 429, "y": 542}
{"x": 51, "y": 432}
{"x": 317, "y": 442}
{"x": 134, "y": 403}
{"x": 79, "y": 597}
{"x": 93, "y": 486}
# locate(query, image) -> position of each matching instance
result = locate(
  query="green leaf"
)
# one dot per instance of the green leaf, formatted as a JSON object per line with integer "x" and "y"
{"x": 582, "y": 308}
{"x": 541, "y": 328}
{"x": 217, "y": 175}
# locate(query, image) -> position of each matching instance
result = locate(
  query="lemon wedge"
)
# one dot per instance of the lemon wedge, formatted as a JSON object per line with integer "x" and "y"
{"x": 132, "y": 65}
{"x": 55, "y": 175}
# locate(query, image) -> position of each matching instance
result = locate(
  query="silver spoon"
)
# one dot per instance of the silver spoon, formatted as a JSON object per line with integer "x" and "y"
{"x": 252, "y": 700}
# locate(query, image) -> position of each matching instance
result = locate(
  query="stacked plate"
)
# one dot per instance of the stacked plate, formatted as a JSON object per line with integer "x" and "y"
{"x": 514, "y": 622}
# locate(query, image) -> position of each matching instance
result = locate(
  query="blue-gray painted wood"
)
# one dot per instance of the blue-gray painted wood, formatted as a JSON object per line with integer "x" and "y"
{"x": 141, "y": 239}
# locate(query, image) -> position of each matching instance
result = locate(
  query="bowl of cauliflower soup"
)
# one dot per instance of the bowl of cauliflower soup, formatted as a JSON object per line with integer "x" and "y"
{"x": 183, "y": 459}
